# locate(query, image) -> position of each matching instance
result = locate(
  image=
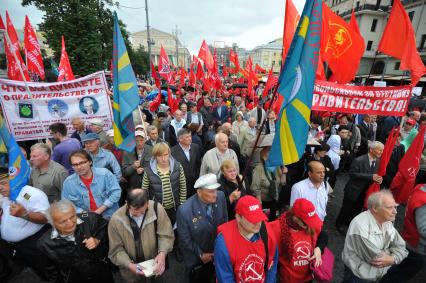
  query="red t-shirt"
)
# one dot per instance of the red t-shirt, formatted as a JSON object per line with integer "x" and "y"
{"x": 87, "y": 183}
{"x": 297, "y": 269}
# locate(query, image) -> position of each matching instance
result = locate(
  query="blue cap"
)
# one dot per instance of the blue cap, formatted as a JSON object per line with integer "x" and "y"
{"x": 90, "y": 137}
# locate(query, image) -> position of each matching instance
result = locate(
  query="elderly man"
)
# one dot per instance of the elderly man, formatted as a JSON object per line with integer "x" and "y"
{"x": 76, "y": 245}
{"x": 152, "y": 133}
{"x": 197, "y": 222}
{"x": 175, "y": 125}
{"x": 79, "y": 127}
{"x": 134, "y": 162}
{"x": 213, "y": 158}
{"x": 414, "y": 233}
{"x": 140, "y": 230}
{"x": 97, "y": 126}
{"x": 372, "y": 244}
{"x": 362, "y": 174}
{"x": 46, "y": 174}
{"x": 247, "y": 137}
{"x": 89, "y": 188}
{"x": 65, "y": 146}
{"x": 245, "y": 249}
{"x": 102, "y": 158}
{"x": 189, "y": 156}
{"x": 313, "y": 188}
{"x": 22, "y": 222}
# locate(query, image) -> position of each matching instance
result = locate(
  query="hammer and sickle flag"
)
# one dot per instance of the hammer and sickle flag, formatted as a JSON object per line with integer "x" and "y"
{"x": 342, "y": 45}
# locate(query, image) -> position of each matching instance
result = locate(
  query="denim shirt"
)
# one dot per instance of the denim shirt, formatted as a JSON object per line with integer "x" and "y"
{"x": 104, "y": 187}
{"x": 105, "y": 159}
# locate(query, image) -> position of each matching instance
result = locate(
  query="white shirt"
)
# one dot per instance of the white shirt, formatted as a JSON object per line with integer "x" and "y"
{"x": 15, "y": 229}
{"x": 319, "y": 197}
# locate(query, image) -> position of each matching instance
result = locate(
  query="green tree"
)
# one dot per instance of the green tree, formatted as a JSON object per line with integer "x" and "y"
{"x": 87, "y": 27}
{"x": 140, "y": 60}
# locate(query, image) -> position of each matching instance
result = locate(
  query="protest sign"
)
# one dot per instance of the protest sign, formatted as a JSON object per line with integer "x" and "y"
{"x": 386, "y": 101}
{"x": 28, "y": 116}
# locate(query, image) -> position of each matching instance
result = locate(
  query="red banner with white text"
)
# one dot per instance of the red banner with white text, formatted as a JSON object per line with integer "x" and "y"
{"x": 385, "y": 101}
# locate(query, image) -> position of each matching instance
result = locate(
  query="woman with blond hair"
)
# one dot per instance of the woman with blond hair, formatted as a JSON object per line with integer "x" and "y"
{"x": 164, "y": 179}
{"x": 231, "y": 185}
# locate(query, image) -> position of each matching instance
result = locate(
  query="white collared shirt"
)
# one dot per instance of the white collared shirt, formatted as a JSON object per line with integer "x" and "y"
{"x": 186, "y": 151}
{"x": 14, "y": 229}
{"x": 318, "y": 196}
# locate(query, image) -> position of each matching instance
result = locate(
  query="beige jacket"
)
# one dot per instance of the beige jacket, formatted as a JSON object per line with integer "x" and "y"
{"x": 260, "y": 184}
{"x": 122, "y": 245}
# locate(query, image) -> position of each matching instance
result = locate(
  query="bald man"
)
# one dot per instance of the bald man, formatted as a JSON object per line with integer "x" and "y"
{"x": 314, "y": 188}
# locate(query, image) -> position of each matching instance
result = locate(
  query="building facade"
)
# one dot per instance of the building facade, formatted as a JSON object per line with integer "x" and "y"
{"x": 168, "y": 41}
{"x": 372, "y": 16}
{"x": 268, "y": 55}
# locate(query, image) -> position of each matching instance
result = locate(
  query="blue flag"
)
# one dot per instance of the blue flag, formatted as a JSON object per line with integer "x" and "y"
{"x": 126, "y": 97}
{"x": 19, "y": 170}
{"x": 296, "y": 84}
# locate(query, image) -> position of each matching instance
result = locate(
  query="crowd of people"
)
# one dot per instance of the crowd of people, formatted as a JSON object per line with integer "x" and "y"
{"x": 197, "y": 185}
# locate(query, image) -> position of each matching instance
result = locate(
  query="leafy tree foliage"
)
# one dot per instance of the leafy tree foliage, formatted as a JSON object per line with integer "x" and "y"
{"x": 87, "y": 26}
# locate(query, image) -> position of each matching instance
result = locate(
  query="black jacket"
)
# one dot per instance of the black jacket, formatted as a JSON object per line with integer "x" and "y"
{"x": 227, "y": 187}
{"x": 71, "y": 261}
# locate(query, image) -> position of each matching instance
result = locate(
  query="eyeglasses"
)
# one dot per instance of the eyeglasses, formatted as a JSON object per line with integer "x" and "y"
{"x": 79, "y": 164}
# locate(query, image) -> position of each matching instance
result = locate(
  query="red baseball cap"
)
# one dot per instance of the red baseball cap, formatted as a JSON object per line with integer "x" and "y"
{"x": 305, "y": 210}
{"x": 410, "y": 121}
{"x": 251, "y": 209}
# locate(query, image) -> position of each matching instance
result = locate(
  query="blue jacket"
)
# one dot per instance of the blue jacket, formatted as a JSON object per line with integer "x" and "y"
{"x": 196, "y": 234}
{"x": 104, "y": 187}
{"x": 105, "y": 159}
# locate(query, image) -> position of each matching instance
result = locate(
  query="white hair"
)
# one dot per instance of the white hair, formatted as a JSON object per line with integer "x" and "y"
{"x": 61, "y": 206}
{"x": 374, "y": 144}
{"x": 376, "y": 200}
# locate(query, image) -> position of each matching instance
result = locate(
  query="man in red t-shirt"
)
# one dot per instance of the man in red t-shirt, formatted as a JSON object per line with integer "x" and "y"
{"x": 240, "y": 254}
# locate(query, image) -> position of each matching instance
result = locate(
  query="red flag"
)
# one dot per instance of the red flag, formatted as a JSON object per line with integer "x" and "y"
{"x": 291, "y": 20}
{"x": 154, "y": 75}
{"x": 65, "y": 71}
{"x": 399, "y": 41}
{"x": 259, "y": 69}
{"x": 342, "y": 45}
{"x": 403, "y": 182}
{"x": 320, "y": 74}
{"x": 171, "y": 102}
{"x": 224, "y": 71}
{"x": 2, "y": 26}
{"x": 205, "y": 55}
{"x": 233, "y": 57}
{"x": 182, "y": 77}
{"x": 270, "y": 83}
{"x": 32, "y": 50}
{"x": 384, "y": 160}
{"x": 200, "y": 71}
{"x": 164, "y": 66}
{"x": 155, "y": 103}
{"x": 13, "y": 54}
{"x": 192, "y": 77}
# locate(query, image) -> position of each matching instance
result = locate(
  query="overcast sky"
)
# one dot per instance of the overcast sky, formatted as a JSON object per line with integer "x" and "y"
{"x": 248, "y": 23}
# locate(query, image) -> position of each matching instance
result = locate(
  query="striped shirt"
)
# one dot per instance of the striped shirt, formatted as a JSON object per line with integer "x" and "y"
{"x": 168, "y": 201}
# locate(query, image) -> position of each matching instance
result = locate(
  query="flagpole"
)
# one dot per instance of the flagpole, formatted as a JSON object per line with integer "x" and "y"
{"x": 372, "y": 65}
{"x": 24, "y": 79}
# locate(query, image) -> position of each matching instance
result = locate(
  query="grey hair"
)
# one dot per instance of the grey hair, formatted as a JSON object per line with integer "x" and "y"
{"x": 43, "y": 147}
{"x": 150, "y": 128}
{"x": 183, "y": 131}
{"x": 376, "y": 200}
{"x": 216, "y": 137}
{"x": 374, "y": 144}
{"x": 77, "y": 118}
{"x": 62, "y": 206}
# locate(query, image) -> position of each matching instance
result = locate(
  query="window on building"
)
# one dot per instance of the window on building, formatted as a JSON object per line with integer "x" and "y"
{"x": 374, "y": 25}
{"x": 411, "y": 15}
{"x": 357, "y": 5}
{"x": 396, "y": 66}
{"x": 369, "y": 45}
{"x": 422, "y": 42}
{"x": 378, "y": 4}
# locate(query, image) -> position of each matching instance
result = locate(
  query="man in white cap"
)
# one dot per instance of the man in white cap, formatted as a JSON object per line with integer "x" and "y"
{"x": 134, "y": 162}
{"x": 197, "y": 221}
{"x": 97, "y": 126}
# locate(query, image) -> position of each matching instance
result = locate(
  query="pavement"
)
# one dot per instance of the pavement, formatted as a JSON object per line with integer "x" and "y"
{"x": 175, "y": 273}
